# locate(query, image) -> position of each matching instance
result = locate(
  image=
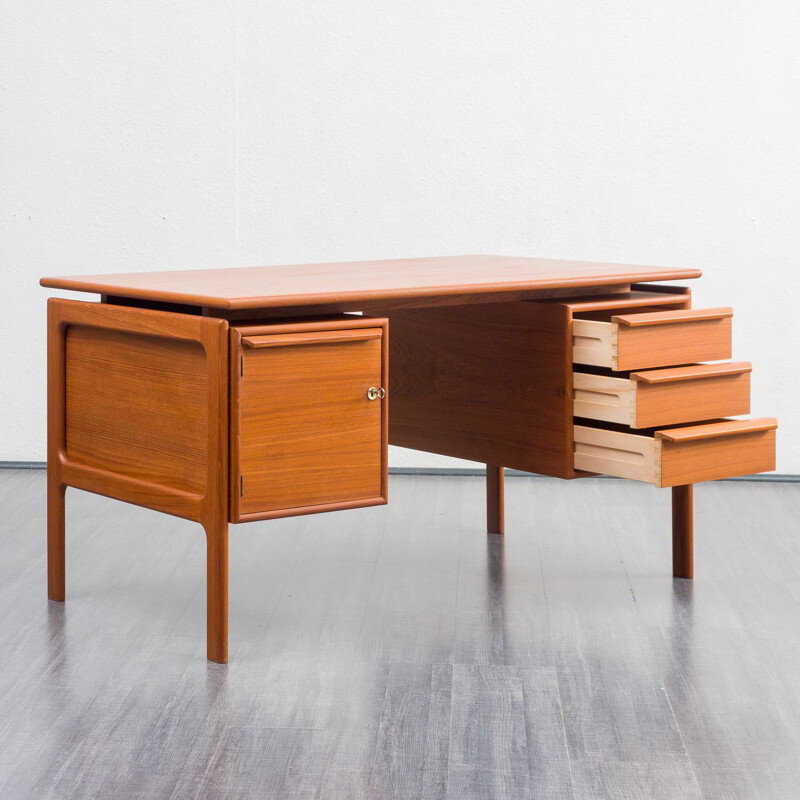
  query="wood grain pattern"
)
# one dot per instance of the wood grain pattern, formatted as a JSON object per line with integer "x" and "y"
{"x": 359, "y": 281}
{"x": 154, "y": 365}
{"x": 593, "y": 342}
{"x": 140, "y": 395}
{"x": 683, "y": 531}
{"x": 694, "y": 372}
{"x": 487, "y": 383}
{"x": 378, "y": 307}
{"x": 664, "y": 397}
{"x": 691, "y": 400}
{"x": 730, "y": 427}
{"x": 709, "y": 459}
{"x": 671, "y": 317}
{"x": 412, "y": 752}
{"x": 137, "y": 405}
{"x": 674, "y": 340}
{"x": 306, "y": 435}
{"x": 693, "y": 454}
{"x": 607, "y": 452}
{"x": 639, "y": 296}
{"x": 110, "y": 697}
{"x": 504, "y": 734}
{"x": 321, "y": 337}
{"x": 56, "y": 488}
{"x": 603, "y": 397}
{"x": 668, "y": 344}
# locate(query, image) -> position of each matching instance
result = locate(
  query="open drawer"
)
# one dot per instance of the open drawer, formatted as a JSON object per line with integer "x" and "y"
{"x": 664, "y": 396}
{"x": 676, "y": 456}
{"x": 308, "y": 417}
{"x": 653, "y": 339}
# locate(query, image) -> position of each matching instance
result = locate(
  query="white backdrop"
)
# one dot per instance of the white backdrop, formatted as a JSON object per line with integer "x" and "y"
{"x": 158, "y": 134}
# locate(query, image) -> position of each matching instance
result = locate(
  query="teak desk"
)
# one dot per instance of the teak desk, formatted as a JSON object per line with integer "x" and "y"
{"x": 230, "y": 395}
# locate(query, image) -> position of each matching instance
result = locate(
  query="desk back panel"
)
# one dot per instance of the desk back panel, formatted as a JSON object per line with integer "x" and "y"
{"x": 490, "y": 383}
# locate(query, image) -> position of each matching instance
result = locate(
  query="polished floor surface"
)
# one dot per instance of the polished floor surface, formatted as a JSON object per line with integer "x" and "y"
{"x": 400, "y": 652}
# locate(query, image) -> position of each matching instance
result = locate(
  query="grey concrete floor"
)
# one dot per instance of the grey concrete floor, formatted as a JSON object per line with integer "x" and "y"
{"x": 400, "y": 652}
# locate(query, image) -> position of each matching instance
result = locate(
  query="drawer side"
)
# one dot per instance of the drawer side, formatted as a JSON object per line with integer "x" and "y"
{"x": 604, "y": 398}
{"x": 623, "y": 455}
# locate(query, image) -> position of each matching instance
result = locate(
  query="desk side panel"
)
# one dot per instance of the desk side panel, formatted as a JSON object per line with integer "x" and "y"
{"x": 136, "y": 405}
{"x": 490, "y": 383}
{"x": 143, "y": 399}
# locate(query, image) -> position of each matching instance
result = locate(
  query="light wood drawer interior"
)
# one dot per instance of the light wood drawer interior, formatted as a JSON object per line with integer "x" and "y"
{"x": 656, "y": 339}
{"x": 676, "y": 456}
{"x": 664, "y": 396}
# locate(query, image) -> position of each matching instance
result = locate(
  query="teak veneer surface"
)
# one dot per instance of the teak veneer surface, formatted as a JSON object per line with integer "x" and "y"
{"x": 360, "y": 281}
{"x": 137, "y": 405}
{"x": 305, "y": 437}
{"x": 310, "y": 435}
{"x": 488, "y": 383}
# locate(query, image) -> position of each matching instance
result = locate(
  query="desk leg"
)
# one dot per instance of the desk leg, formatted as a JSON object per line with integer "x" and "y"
{"x": 495, "y": 490}
{"x": 56, "y": 439}
{"x": 682, "y": 532}
{"x": 217, "y": 590}
{"x": 56, "y": 553}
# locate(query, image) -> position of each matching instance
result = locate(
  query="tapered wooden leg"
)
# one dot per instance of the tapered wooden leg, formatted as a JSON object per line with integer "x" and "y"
{"x": 682, "y": 532}
{"x": 495, "y": 501}
{"x": 56, "y": 551}
{"x": 217, "y": 591}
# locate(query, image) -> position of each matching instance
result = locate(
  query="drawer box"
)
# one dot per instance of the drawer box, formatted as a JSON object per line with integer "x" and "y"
{"x": 308, "y": 417}
{"x": 656, "y": 339}
{"x": 676, "y": 456}
{"x": 664, "y": 396}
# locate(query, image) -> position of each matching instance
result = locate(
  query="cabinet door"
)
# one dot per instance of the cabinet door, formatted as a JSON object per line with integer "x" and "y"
{"x": 309, "y": 430}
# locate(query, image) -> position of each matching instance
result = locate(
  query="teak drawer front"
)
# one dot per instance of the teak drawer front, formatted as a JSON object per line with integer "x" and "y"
{"x": 657, "y": 339}
{"x": 664, "y": 396}
{"x": 308, "y": 436}
{"x": 677, "y": 456}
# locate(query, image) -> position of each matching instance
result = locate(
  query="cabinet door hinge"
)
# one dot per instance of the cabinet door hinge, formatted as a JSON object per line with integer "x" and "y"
{"x": 241, "y": 365}
{"x": 241, "y": 486}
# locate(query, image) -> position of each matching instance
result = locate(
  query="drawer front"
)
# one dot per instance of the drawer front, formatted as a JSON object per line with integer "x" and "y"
{"x": 310, "y": 435}
{"x": 663, "y": 338}
{"x": 677, "y": 456}
{"x": 666, "y": 396}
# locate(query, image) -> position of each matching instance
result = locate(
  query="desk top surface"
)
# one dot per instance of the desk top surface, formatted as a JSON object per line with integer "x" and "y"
{"x": 358, "y": 281}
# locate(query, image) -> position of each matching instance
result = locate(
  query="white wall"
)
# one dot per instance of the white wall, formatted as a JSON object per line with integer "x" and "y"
{"x": 185, "y": 134}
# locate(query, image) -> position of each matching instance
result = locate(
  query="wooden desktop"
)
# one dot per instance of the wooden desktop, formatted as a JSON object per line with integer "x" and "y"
{"x": 230, "y": 395}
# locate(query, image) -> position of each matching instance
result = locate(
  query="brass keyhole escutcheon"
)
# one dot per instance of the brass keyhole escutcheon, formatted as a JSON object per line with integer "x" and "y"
{"x": 376, "y": 393}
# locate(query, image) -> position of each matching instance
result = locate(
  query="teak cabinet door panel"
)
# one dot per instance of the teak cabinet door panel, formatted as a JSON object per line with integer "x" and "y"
{"x": 657, "y": 339}
{"x": 309, "y": 436}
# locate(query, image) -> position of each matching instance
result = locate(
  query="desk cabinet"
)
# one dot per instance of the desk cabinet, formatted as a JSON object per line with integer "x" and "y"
{"x": 139, "y": 403}
{"x": 556, "y": 374}
{"x": 308, "y": 417}
{"x": 306, "y": 402}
